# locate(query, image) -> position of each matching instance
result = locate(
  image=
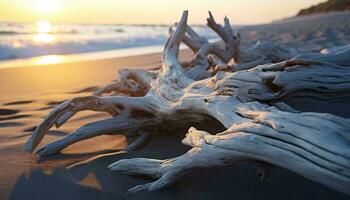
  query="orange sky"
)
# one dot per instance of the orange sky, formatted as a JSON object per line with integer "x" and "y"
{"x": 148, "y": 11}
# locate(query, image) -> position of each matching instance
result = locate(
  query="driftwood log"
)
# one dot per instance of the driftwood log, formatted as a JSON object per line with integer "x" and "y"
{"x": 243, "y": 89}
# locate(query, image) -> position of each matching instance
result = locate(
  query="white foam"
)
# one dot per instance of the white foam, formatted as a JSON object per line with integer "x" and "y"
{"x": 20, "y": 40}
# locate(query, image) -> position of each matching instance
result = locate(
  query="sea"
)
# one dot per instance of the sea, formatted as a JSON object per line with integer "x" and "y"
{"x": 20, "y": 41}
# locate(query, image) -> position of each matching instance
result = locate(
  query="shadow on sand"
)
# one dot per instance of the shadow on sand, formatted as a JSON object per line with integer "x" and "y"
{"x": 92, "y": 180}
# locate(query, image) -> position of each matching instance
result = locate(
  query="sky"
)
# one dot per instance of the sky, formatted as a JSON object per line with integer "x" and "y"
{"x": 148, "y": 11}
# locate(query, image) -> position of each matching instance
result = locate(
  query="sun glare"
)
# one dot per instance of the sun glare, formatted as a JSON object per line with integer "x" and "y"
{"x": 50, "y": 59}
{"x": 43, "y": 27}
{"x": 43, "y": 30}
{"x": 43, "y": 38}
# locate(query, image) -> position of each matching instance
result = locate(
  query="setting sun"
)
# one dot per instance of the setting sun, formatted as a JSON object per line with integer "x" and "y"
{"x": 152, "y": 11}
{"x": 43, "y": 27}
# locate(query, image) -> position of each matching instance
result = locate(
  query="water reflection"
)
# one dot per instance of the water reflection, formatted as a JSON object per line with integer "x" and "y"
{"x": 44, "y": 32}
{"x": 50, "y": 59}
{"x": 43, "y": 38}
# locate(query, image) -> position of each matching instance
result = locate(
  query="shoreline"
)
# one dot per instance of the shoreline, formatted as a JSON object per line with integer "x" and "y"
{"x": 87, "y": 56}
{"x": 79, "y": 57}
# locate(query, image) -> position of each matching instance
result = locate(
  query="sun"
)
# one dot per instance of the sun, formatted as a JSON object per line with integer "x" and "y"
{"x": 43, "y": 26}
{"x": 47, "y": 7}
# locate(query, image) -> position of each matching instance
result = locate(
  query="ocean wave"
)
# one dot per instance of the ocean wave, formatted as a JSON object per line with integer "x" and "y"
{"x": 21, "y": 41}
{"x": 53, "y": 32}
{"x": 26, "y": 50}
{"x": 9, "y": 33}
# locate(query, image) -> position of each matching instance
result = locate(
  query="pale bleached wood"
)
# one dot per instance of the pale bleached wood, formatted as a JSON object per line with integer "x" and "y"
{"x": 315, "y": 145}
{"x": 275, "y": 137}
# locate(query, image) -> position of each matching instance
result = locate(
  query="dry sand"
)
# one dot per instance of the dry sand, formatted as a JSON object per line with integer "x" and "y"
{"x": 29, "y": 93}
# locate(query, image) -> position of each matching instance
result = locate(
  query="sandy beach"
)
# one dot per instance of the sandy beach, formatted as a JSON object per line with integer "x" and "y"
{"x": 28, "y": 93}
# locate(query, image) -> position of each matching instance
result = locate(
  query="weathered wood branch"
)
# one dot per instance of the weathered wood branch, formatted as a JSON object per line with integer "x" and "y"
{"x": 130, "y": 82}
{"x": 204, "y": 51}
{"x": 270, "y": 136}
{"x": 249, "y": 103}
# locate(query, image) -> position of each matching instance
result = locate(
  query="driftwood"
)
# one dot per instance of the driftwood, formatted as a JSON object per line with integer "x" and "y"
{"x": 248, "y": 101}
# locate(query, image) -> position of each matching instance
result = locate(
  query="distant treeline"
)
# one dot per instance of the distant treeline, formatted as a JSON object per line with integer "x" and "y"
{"x": 329, "y": 6}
